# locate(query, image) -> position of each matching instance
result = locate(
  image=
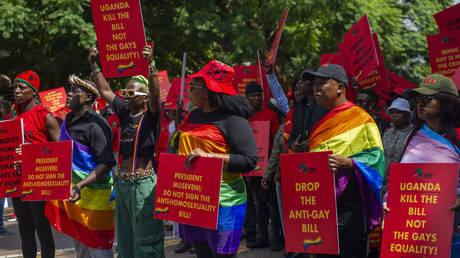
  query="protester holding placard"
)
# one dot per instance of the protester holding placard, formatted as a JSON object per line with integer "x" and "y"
{"x": 138, "y": 233}
{"x": 219, "y": 128}
{"x": 39, "y": 126}
{"x": 358, "y": 161}
{"x": 393, "y": 139}
{"x": 88, "y": 215}
{"x": 435, "y": 138}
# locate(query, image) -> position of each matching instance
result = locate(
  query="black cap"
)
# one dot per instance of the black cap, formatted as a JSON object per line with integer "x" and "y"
{"x": 253, "y": 87}
{"x": 333, "y": 71}
{"x": 306, "y": 74}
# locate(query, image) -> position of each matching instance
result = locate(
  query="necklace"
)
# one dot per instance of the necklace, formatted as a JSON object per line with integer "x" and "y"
{"x": 136, "y": 115}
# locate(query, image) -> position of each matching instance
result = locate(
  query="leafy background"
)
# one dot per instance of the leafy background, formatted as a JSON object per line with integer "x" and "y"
{"x": 52, "y": 37}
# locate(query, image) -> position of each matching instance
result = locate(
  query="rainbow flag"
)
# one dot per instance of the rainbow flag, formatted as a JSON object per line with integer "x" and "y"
{"x": 232, "y": 201}
{"x": 350, "y": 131}
{"x": 308, "y": 242}
{"x": 10, "y": 191}
{"x": 123, "y": 67}
{"x": 24, "y": 193}
{"x": 161, "y": 210}
{"x": 90, "y": 219}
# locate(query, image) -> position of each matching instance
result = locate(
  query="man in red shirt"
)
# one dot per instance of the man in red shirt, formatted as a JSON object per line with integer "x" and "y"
{"x": 259, "y": 206}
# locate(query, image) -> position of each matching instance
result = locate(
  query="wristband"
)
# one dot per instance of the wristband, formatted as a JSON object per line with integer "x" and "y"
{"x": 94, "y": 72}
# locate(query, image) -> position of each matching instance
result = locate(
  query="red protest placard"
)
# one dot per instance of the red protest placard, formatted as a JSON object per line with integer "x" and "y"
{"x": 163, "y": 80}
{"x": 456, "y": 78}
{"x": 420, "y": 222}
{"x": 261, "y": 130}
{"x": 443, "y": 49}
{"x": 309, "y": 205}
{"x": 448, "y": 19}
{"x": 62, "y": 113}
{"x": 188, "y": 195}
{"x": 360, "y": 48}
{"x": 344, "y": 57}
{"x": 377, "y": 79}
{"x": 397, "y": 82}
{"x": 245, "y": 74}
{"x": 174, "y": 93}
{"x": 120, "y": 37}
{"x": 47, "y": 171}
{"x": 54, "y": 99}
{"x": 271, "y": 56}
{"x": 11, "y": 136}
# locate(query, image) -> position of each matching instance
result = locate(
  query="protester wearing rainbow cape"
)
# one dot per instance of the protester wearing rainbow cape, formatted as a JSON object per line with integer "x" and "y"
{"x": 88, "y": 215}
{"x": 435, "y": 138}
{"x": 358, "y": 160}
{"x": 219, "y": 128}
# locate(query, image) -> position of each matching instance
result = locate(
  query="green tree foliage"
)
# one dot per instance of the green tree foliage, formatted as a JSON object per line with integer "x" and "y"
{"x": 52, "y": 37}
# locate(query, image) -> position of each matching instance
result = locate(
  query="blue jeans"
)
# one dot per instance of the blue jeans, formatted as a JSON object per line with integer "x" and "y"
{"x": 2, "y": 203}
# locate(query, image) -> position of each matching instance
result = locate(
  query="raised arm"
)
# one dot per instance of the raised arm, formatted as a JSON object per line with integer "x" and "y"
{"x": 101, "y": 83}
{"x": 276, "y": 89}
{"x": 154, "y": 85}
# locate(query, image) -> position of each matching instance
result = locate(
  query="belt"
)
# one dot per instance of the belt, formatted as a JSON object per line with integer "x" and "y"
{"x": 126, "y": 173}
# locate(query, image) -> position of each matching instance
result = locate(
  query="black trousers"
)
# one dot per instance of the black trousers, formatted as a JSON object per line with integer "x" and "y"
{"x": 353, "y": 233}
{"x": 31, "y": 218}
{"x": 257, "y": 209}
{"x": 202, "y": 250}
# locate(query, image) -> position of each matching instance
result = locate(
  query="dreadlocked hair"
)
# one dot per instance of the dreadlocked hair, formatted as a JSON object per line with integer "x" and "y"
{"x": 236, "y": 105}
{"x": 449, "y": 117}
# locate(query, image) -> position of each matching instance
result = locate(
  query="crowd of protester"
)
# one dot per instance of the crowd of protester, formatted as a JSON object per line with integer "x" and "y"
{"x": 119, "y": 149}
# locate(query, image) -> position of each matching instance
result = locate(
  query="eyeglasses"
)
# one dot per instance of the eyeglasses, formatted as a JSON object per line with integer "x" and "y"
{"x": 424, "y": 99}
{"x": 131, "y": 93}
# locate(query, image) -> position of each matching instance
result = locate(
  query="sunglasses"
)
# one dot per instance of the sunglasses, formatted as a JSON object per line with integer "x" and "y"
{"x": 424, "y": 99}
{"x": 131, "y": 93}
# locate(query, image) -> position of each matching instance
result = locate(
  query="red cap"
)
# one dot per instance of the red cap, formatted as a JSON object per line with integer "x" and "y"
{"x": 30, "y": 78}
{"x": 218, "y": 77}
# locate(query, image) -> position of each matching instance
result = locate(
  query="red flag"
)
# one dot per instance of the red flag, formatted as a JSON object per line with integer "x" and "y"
{"x": 270, "y": 58}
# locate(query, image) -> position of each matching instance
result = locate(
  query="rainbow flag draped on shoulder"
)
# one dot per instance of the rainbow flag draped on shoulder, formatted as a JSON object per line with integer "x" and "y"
{"x": 350, "y": 131}
{"x": 90, "y": 219}
{"x": 232, "y": 198}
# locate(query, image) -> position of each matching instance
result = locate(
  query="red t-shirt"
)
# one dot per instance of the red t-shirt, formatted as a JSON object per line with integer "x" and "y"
{"x": 34, "y": 122}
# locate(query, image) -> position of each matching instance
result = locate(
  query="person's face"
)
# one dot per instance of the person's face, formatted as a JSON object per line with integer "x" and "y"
{"x": 3, "y": 111}
{"x": 198, "y": 93}
{"x": 400, "y": 119}
{"x": 428, "y": 107}
{"x": 77, "y": 97}
{"x": 136, "y": 102}
{"x": 298, "y": 92}
{"x": 365, "y": 101}
{"x": 23, "y": 93}
{"x": 171, "y": 114}
{"x": 291, "y": 104}
{"x": 326, "y": 91}
{"x": 255, "y": 100}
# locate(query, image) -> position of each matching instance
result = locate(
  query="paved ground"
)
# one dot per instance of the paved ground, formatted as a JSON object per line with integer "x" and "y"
{"x": 11, "y": 247}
